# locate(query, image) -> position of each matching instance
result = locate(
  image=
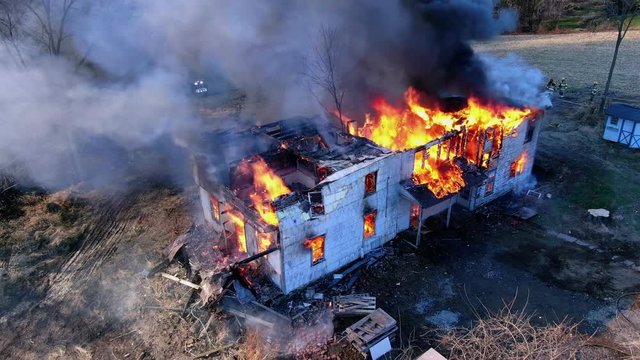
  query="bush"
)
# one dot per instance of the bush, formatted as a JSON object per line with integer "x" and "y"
{"x": 511, "y": 335}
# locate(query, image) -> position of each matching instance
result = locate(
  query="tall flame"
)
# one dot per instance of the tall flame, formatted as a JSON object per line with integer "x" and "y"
{"x": 370, "y": 224}
{"x": 267, "y": 186}
{"x": 238, "y": 223}
{"x": 517, "y": 167}
{"x": 415, "y": 125}
{"x": 316, "y": 245}
{"x": 264, "y": 241}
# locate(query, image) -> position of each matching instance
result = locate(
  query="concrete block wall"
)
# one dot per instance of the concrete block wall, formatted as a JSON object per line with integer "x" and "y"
{"x": 343, "y": 222}
{"x": 513, "y": 146}
{"x": 205, "y": 202}
{"x": 273, "y": 260}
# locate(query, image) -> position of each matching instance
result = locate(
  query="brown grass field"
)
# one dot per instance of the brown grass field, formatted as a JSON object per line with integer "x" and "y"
{"x": 582, "y": 57}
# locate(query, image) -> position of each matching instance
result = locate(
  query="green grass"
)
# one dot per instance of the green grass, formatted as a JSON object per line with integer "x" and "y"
{"x": 570, "y": 23}
{"x": 593, "y": 191}
{"x": 602, "y": 188}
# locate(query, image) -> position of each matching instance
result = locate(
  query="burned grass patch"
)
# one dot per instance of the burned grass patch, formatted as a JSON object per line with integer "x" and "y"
{"x": 564, "y": 266}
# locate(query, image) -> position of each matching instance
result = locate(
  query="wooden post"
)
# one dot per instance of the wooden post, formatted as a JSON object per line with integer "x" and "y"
{"x": 449, "y": 210}
{"x": 419, "y": 229}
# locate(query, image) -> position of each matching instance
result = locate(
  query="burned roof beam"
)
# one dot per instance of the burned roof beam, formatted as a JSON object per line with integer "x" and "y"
{"x": 440, "y": 140}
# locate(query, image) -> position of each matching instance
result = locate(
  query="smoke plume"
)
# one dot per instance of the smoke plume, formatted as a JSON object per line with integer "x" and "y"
{"x": 67, "y": 122}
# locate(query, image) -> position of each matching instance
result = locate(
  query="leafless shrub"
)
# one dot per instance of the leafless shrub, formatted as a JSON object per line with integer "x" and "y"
{"x": 324, "y": 70}
{"x": 623, "y": 331}
{"x": 509, "y": 334}
{"x": 532, "y": 13}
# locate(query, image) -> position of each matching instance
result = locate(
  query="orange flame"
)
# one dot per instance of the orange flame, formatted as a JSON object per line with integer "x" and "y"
{"x": 316, "y": 245}
{"x": 215, "y": 208}
{"x": 264, "y": 241}
{"x": 415, "y": 125}
{"x": 267, "y": 187}
{"x": 517, "y": 167}
{"x": 369, "y": 225}
{"x": 414, "y": 218}
{"x": 238, "y": 222}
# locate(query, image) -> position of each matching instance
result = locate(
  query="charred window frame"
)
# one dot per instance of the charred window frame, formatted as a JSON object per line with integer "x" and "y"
{"x": 531, "y": 128}
{"x": 491, "y": 182}
{"x": 466, "y": 193}
{"x": 370, "y": 183}
{"x": 215, "y": 208}
{"x": 322, "y": 172}
{"x": 516, "y": 168}
{"x": 514, "y": 171}
{"x": 317, "y": 204}
{"x": 316, "y": 245}
{"x": 414, "y": 217}
{"x": 369, "y": 221}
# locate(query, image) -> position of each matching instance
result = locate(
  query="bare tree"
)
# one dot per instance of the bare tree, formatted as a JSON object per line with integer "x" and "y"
{"x": 52, "y": 17}
{"x": 622, "y": 13}
{"x": 11, "y": 20}
{"x": 532, "y": 13}
{"x": 324, "y": 69}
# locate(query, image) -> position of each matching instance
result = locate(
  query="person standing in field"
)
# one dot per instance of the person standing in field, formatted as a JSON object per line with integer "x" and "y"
{"x": 594, "y": 91}
{"x": 562, "y": 88}
{"x": 551, "y": 85}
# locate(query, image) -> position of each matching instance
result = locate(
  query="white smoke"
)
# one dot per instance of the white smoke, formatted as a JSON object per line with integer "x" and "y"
{"x": 511, "y": 77}
{"x": 49, "y": 109}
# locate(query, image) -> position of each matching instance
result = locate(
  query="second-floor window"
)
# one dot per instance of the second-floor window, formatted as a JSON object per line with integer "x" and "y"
{"x": 370, "y": 183}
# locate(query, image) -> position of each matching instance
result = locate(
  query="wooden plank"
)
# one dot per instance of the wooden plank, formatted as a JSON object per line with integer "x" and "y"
{"x": 370, "y": 330}
{"x": 281, "y": 316}
{"x": 178, "y": 280}
{"x": 249, "y": 317}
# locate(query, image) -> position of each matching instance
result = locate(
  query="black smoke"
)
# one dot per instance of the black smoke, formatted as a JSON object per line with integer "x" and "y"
{"x": 138, "y": 57}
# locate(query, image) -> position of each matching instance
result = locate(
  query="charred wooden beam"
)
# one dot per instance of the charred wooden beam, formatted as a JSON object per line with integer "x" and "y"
{"x": 438, "y": 141}
{"x": 256, "y": 256}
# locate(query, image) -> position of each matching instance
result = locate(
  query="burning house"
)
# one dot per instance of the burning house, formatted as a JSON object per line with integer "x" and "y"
{"x": 309, "y": 197}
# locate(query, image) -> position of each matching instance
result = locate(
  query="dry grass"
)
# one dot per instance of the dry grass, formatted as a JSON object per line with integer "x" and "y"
{"x": 623, "y": 331}
{"x": 582, "y": 57}
{"x": 511, "y": 335}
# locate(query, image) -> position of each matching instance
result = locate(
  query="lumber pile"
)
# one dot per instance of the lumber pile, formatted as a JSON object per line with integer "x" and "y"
{"x": 370, "y": 330}
{"x": 353, "y": 305}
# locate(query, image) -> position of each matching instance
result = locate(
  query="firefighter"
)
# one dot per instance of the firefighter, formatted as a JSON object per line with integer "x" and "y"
{"x": 594, "y": 91}
{"x": 551, "y": 85}
{"x": 562, "y": 88}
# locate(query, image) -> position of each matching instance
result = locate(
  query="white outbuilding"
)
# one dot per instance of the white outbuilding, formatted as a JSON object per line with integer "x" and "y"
{"x": 623, "y": 125}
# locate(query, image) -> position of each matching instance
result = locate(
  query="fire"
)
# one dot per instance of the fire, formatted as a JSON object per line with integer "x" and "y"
{"x": 316, "y": 245}
{"x": 414, "y": 218}
{"x": 264, "y": 241}
{"x": 517, "y": 167}
{"x": 369, "y": 225}
{"x": 415, "y": 125}
{"x": 267, "y": 187}
{"x": 238, "y": 222}
{"x": 215, "y": 208}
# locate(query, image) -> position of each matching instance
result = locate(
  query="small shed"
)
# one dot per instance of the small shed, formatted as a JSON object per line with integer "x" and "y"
{"x": 623, "y": 125}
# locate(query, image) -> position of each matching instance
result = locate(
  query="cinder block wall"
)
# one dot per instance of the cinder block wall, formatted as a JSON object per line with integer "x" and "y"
{"x": 513, "y": 146}
{"x": 343, "y": 222}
